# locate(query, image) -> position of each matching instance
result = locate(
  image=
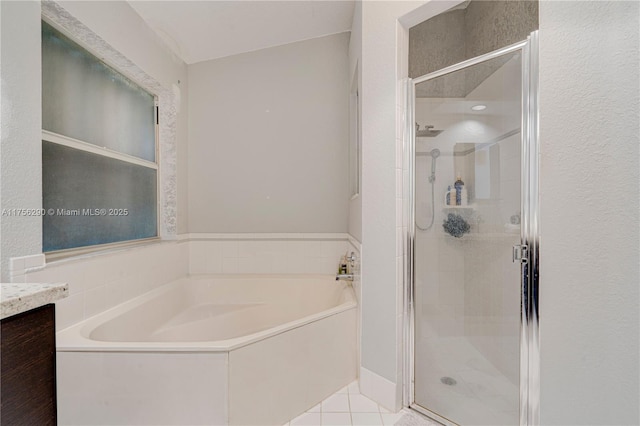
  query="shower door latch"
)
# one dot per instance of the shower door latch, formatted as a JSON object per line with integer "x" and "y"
{"x": 520, "y": 253}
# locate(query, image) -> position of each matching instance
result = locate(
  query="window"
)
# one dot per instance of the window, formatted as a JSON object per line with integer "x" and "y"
{"x": 99, "y": 150}
{"x": 354, "y": 138}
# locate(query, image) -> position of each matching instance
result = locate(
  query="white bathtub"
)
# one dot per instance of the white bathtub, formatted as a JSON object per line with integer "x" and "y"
{"x": 232, "y": 349}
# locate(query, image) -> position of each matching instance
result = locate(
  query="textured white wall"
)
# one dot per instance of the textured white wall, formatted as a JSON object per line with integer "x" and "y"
{"x": 589, "y": 96}
{"x": 268, "y": 140}
{"x": 21, "y": 122}
{"x": 118, "y": 24}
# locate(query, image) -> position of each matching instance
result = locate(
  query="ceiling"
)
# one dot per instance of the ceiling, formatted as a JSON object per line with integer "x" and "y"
{"x": 202, "y": 30}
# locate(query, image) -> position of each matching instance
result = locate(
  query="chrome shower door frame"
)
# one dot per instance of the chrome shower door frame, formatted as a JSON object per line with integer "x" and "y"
{"x": 529, "y": 233}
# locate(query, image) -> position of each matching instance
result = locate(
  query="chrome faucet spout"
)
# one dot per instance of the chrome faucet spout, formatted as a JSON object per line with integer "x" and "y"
{"x": 346, "y": 277}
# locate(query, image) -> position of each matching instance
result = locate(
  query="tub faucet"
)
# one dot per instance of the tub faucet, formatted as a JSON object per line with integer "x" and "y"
{"x": 346, "y": 277}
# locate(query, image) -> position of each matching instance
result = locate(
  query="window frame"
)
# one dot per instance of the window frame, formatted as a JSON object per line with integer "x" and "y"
{"x": 52, "y": 137}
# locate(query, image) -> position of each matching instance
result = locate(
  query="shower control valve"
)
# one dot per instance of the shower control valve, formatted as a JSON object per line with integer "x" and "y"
{"x": 352, "y": 259}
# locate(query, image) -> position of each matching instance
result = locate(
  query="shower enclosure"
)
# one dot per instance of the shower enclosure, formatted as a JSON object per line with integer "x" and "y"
{"x": 471, "y": 299}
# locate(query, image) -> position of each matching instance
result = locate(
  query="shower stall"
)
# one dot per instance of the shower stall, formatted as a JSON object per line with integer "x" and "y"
{"x": 471, "y": 299}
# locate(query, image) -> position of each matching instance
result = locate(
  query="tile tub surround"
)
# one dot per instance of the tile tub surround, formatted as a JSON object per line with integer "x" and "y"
{"x": 100, "y": 281}
{"x": 266, "y": 253}
{"x": 18, "y": 298}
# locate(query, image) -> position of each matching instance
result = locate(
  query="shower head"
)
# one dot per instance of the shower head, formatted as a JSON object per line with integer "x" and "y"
{"x": 435, "y": 153}
{"x": 427, "y": 132}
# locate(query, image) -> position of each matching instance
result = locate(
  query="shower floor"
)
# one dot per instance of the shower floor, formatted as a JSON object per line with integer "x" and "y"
{"x": 482, "y": 394}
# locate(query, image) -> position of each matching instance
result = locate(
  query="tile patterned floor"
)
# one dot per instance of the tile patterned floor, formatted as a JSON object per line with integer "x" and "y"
{"x": 347, "y": 407}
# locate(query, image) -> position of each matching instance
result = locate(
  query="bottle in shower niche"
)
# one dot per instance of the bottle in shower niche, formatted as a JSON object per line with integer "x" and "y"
{"x": 464, "y": 197}
{"x": 459, "y": 186}
{"x": 450, "y": 199}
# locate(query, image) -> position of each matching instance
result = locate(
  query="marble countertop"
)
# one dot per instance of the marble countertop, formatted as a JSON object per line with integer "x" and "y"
{"x": 21, "y": 297}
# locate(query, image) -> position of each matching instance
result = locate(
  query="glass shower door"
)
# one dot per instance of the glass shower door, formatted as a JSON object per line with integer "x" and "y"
{"x": 467, "y": 220}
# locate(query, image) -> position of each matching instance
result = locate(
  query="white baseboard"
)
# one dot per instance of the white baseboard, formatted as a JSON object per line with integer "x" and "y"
{"x": 379, "y": 389}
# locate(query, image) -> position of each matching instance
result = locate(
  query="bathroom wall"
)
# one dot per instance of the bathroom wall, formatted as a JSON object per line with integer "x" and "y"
{"x": 589, "y": 267}
{"x": 268, "y": 140}
{"x": 20, "y": 145}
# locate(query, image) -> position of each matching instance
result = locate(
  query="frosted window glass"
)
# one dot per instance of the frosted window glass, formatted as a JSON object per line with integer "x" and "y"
{"x": 73, "y": 180}
{"x": 84, "y": 99}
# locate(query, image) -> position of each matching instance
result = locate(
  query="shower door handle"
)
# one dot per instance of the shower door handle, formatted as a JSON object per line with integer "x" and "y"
{"x": 520, "y": 253}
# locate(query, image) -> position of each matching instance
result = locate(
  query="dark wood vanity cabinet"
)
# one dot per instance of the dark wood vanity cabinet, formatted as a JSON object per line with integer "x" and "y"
{"x": 28, "y": 373}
